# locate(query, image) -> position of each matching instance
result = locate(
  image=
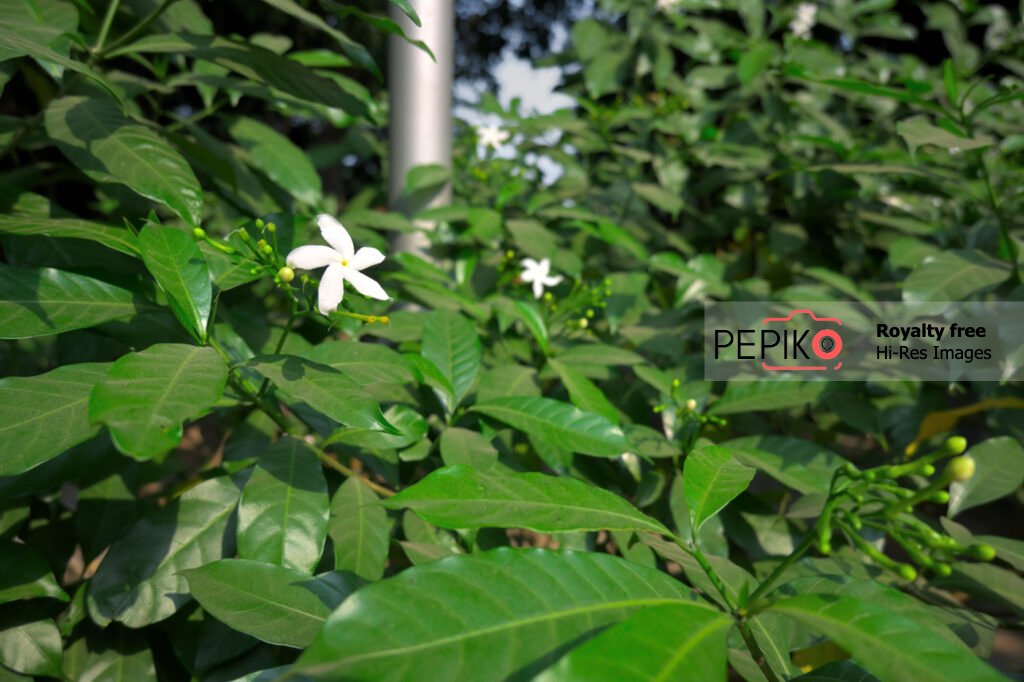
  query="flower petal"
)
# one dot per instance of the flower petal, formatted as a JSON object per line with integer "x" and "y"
{"x": 365, "y": 285}
{"x": 312, "y": 257}
{"x": 529, "y": 264}
{"x": 552, "y": 281}
{"x": 332, "y": 288}
{"x": 538, "y": 288}
{"x": 336, "y": 235}
{"x": 365, "y": 257}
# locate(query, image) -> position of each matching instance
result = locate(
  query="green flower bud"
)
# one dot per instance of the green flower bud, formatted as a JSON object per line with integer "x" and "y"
{"x": 691, "y": 404}
{"x": 267, "y": 249}
{"x": 927, "y": 470}
{"x": 259, "y": 223}
{"x": 907, "y": 572}
{"x": 243, "y": 235}
{"x": 590, "y": 312}
{"x": 955, "y": 445}
{"x": 271, "y": 228}
{"x": 261, "y": 243}
{"x": 286, "y": 274}
{"x": 960, "y": 468}
{"x": 199, "y": 233}
{"x": 981, "y": 552}
{"x": 942, "y": 570}
{"x": 940, "y": 497}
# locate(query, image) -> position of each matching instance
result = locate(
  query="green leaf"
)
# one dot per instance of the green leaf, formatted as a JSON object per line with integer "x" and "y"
{"x": 561, "y": 425}
{"x": 799, "y": 464}
{"x": 954, "y": 276}
{"x": 254, "y": 62}
{"x": 451, "y": 344}
{"x": 659, "y": 197}
{"x": 711, "y": 479}
{"x": 364, "y": 363}
{"x": 146, "y": 396}
{"x": 24, "y": 574}
{"x": 108, "y": 147}
{"x": 462, "y": 497}
{"x": 278, "y": 158}
{"x": 676, "y": 642}
{"x": 16, "y": 42}
{"x": 999, "y": 471}
{"x": 949, "y": 80}
{"x": 407, "y": 421}
{"x": 324, "y": 389}
{"x": 917, "y": 132}
{"x": 530, "y": 315}
{"x": 47, "y": 301}
{"x": 359, "y": 54}
{"x": 837, "y": 671}
{"x": 408, "y": 10}
{"x": 359, "y": 529}
{"x": 426, "y": 177}
{"x": 30, "y": 644}
{"x": 139, "y": 581}
{"x": 282, "y": 516}
{"x": 44, "y": 415}
{"x": 271, "y": 603}
{"x": 508, "y": 611}
{"x": 174, "y": 259}
{"x": 888, "y": 644}
{"x": 992, "y": 584}
{"x": 747, "y": 396}
{"x": 754, "y": 61}
{"x": 462, "y": 446}
{"x": 117, "y": 238}
{"x": 583, "y": 392}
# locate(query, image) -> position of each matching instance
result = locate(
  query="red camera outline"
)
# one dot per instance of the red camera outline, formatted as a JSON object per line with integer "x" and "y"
{"x": 814, "y": 343}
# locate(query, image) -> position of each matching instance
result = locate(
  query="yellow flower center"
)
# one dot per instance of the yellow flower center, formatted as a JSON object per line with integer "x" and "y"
{"x": 344, "y": 262}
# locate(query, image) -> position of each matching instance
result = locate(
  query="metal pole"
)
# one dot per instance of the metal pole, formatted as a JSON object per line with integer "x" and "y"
{"x": 421, "y": 108}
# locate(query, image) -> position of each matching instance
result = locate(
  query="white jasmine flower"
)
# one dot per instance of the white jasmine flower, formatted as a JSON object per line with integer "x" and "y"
{"x": 343, "y": 264}
{"x": 803, "y": 22}
{"x": 492, "y": 136}
{"x": 539, "y": 274}
{"x": 666, "y": 5}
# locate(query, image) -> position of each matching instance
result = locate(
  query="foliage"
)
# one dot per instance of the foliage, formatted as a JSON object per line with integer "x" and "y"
{"x": 204, "y": 477}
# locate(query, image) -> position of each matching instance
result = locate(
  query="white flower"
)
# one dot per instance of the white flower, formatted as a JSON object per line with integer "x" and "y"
{"x": 343, "y": 263}
{"x": 539, "y": 274}
{"x": 492, "y": 136}
{"x": 666, "y": 5}
{"x": 806, "y": 17}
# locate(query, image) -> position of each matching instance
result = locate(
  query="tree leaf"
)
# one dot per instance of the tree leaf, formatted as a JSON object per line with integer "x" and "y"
{"x": 24, "y": 574}
{"x": 282, "y": 516}
{"x": 490, "y": 615}
{"x": 359, "y": 529}
{"x": 356, "y": 51}
{"x": 108, "y": 147}
{"x": 251, "y": 61}
{"x": 47, "y": 301}
{"x": 450, "y": 342}
{"x": 174, "y": 259}
{"x": 885, "y": 643}
{"x": 746, "y": 396}
{"x": 463, "y": 497}
{"x": 583, "y": 392}
{"x": 999, "y": 470}
{"x": 30, "y": 644}
{"x": 711, "y": 479}
{"x": 754, "y": 61}
{"x": 917, "y": 132}
{"x": 324, "y": 389}
{"x": 117, "y": 238}
{"x": 44, "y": 415}
{"x": 462, "y": 446}
{"x": 800, "y": 464}
{"x": 561, "y": 425}
{"x": 139, "y": 581}
{"x": 146, "y": 396}
{"x": 530, "y": 315}
{"x": 684, "y": 642}
{"x": 364, "y": 363}
{"x": 407, "y": 10}
{"x": 272, "y": 603}
{"x": 279, "y": 158}
{"x": 838, "y": 671}
{"x": 954, "y": 276}
{"x": 659, "y": 197}
{"x": 426, "y": 177}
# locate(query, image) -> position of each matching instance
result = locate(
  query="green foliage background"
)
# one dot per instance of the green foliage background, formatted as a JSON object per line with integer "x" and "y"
{"x": 198, "y": 472}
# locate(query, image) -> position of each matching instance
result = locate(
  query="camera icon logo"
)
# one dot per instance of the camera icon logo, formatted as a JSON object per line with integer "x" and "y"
{"x": 825, "y": 344}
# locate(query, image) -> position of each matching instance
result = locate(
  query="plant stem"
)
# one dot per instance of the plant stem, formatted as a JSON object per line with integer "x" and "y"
{"x": 341, "y": 468}
{"x": 786, "y": 563}
{"x": 755, "y": 650}
{"x": 108, "y": 19}
{"x": 138, "y": 30}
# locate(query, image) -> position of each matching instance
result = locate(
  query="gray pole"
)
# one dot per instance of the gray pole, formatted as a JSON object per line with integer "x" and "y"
{"x": 421, "y": 108}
